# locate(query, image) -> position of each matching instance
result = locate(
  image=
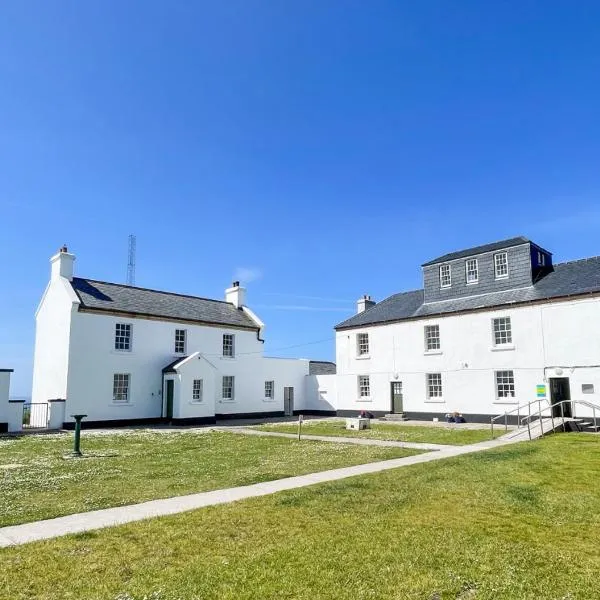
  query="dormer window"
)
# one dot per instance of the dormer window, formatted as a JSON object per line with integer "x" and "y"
{"x": 501, "y": 265}
{"x": 541, "y": 259}
{"x": 472, "y": 270}
{"x": 445, "y": 276}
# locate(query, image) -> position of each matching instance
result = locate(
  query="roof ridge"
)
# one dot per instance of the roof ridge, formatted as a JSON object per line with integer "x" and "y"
{"x": 135, "y": 287}
{"x": 570, "y": 262}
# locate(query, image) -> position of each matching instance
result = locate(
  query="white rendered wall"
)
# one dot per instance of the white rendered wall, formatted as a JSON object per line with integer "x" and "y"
{"x": 321, "y": 393}
{"x": 4, "y": 392}
{"x": 566, "y": 333}
{"x": 52, "y": 335}
{"x": 93, "y": 362}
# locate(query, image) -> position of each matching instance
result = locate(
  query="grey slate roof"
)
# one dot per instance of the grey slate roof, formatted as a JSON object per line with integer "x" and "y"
{"x": 170, "y": 368}
{"x": 321, "y": 367}
{"x": 574, "y": 278}
{"x": 517, "y": 241}
{"x": 114, "y": 297}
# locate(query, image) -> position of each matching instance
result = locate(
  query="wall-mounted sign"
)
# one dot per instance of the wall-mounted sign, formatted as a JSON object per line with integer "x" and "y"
{"x": 541, "y": 391}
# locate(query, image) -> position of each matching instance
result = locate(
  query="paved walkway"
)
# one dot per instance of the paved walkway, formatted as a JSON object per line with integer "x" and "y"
{"x": 339, "y": 440}
{"x": 98, "y": 519}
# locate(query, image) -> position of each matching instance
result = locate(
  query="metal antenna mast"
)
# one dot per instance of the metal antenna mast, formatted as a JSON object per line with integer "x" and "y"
{"x": 131, "y": 261}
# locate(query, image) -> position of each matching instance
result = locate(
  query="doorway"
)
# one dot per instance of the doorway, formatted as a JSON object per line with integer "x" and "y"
{"x": 560, "y": 389}
{"x": 288, "y": 401}
{"x": 170, "y": 393}
{"x": 396, "y": 397}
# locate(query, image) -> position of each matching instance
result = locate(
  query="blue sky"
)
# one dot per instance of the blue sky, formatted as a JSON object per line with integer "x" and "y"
{"x": 324, "y": 148}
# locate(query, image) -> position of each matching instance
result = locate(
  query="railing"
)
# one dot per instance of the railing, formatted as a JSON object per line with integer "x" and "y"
{"x": 518, "y": 411}
{"x": 562, "y": 404}
{"x": 35, "y": 415}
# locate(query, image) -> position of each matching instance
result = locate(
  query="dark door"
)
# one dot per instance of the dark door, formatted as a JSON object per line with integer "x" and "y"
{"x": 397, "y": 397}
{"x": 288, "y": 401}
{"x": 560, "y": 390}
{"x": 170, "y": 388}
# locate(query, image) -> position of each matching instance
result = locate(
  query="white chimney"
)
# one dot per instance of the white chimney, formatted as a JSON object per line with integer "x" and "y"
{"x": 61, "y": 264}
{"x": 364, "y": 303}
{"x": 236, "y": 295}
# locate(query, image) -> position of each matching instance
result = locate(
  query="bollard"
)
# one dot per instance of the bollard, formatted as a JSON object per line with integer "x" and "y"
{"x": 77, "y": 441}
{"x": 300, "y": 421}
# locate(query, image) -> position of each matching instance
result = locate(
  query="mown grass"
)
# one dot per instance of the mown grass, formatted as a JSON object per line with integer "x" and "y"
{"x": 37, "y": 482}
{"x": 438, "y": 434}
{"x": 520, "y": 522}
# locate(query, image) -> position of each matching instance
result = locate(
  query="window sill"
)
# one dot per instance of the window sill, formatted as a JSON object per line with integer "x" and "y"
{"x": 227, "y": 357}
{"x": 227, "y": 401}
{"x": 435, "y": 401}
{"x": 512, "y": 402}
{"x": 500, "y": 277}
{"x": 472, "y": 282}
{"x": 269, "y": 400}
{"x": 122, "y": 403}
{"x": 122, "y": 352}
{"x": 503, "y": 348}
{"x": 365, "y": 399}
{"x": 433, "y": 352}
{"x": 196, "y": 402}
{"x": 363, "y": 357}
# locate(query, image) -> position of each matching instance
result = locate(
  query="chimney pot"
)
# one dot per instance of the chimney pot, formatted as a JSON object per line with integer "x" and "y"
{"x": 364, "y": 303}
{"x": 236, "y": 284}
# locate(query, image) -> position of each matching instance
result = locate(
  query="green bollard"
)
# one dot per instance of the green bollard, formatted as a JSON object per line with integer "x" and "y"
{"x": 77, "y": 441}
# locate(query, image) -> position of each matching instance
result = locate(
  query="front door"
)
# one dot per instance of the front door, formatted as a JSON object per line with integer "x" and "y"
{"x": 560, "y": 390}
{"x": 170, "y": 388}
{"x": 397, "y": 397}
{"x": 288, "y": 401}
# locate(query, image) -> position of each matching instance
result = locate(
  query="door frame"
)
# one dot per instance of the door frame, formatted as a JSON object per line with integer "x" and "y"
{"x": 392, "y": 411}
{"x": 568, "y": 408}
{"x": 169, "y": 385}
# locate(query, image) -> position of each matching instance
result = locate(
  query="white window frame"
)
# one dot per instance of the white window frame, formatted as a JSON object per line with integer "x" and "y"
{"x": 123, "y": 337}
{"x": 121, "y": 387}
{"x": 431, "y": 334}
{"x": 228, "y": 345}
{"x": 504, "y": 381}
{"x": 197, "y": 391}
{"x": 363, "y": 383}
{"x": 445, "y": 278}
{"x": 362, "y": 345}
{"x": 228, "y": 384}
{"x": 180, "y": 341}
{"x": 434, "y": 387}
{"x": 541, "y": 259}
{"x": 471, "y": 268}
{"x": 501, "y": 263}
{"x": 502, "y": 332}
{"x": 270, "y": 390}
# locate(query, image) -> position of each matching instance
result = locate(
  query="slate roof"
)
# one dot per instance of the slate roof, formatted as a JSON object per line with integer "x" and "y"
{"x": 170, "y": 368}
{"x": 114, "y": 297}
{"x": 321, "y": 367}
{"x": 574, "y": 278}
{"x": 517, "y": 241}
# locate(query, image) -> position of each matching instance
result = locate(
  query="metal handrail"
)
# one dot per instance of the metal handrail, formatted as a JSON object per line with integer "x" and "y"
{"x": 538, "y": 401}
{"x": 561, "y": 403}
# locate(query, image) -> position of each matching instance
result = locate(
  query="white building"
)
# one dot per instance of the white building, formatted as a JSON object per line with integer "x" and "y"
{"x": 124, "y": 355}
{"x": 4, "y": 395}
{"x": 493, "y": 327}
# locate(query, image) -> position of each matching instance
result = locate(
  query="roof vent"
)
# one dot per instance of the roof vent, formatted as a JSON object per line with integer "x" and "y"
{"x": 64, "y": 249}
{"x": 235, "y": 284}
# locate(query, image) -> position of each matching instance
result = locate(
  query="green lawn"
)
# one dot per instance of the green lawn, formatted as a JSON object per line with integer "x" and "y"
{"x": 521, "y": 522}
{"x": 438, "y": 434}
{"x": 36, "y": 482}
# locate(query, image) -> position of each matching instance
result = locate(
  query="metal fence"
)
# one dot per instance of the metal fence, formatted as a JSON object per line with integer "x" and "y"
{"x": 35, "y": 415}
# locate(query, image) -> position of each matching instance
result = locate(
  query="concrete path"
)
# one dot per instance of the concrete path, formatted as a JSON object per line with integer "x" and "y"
{"x": 98, "y": 519}
{"x": 339, "y": 439}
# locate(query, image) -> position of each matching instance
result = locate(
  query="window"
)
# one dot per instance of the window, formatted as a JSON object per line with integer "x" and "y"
{"x": 472, "y": 270}
{"x": 364, "y": 386}
{"x": 270, "y": 390}
{"x": 541, "y": 259}
{"x": 121, "y": 387}
{"x": 362, "y": 344}
{"x": 445, "y": 276}
{"x": 228, "y": 344}
{"x": 502, "y": 331}
{"x": 434, "y": 385}
{"x": 123, "y": 336}
{"x": 197, "y": 389}
{"x": 228, "y": 387}
{"x": 505, "y": 384}
{"x": 180, "y": 336}
{"x": 432, "y": 337}
{"x": 501, "y": 265}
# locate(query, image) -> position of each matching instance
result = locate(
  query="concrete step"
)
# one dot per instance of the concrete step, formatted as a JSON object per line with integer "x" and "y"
{"x": 395, "y": 417}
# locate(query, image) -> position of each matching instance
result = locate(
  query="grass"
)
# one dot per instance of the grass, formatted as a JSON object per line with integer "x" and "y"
{"x": 439, "y": 434}
{"x": 521, "y": 522}
{"x": 36, "y": 482}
